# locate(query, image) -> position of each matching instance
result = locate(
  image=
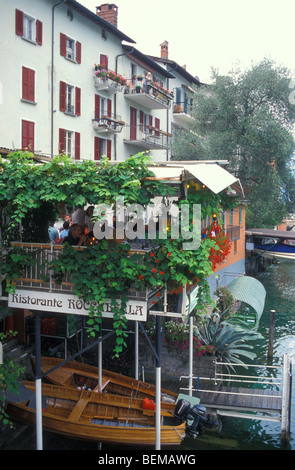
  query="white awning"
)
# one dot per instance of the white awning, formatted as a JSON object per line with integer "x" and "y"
{"x": 211, "y": 174}
{"x": 214, "y": 177}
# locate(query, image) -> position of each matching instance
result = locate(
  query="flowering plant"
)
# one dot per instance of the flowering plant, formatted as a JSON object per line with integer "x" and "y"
{"x": 219, "y": 252}
{"x": 177, "y": 335}
{"x": 101, "y": 71}
{"x": 161, "y": 89}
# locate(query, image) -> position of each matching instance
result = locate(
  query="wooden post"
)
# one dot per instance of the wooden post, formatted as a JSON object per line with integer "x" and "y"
{"x": 271, "y": 333}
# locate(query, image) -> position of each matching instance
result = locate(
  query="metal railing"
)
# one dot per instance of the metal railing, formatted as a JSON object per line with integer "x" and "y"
{"x": 234, "y": 232}
{"x": 182, "y": 107}
{"x": 148, "y": 136}
{"x": 39, "y": 276}
{"x": 284, "y": 394}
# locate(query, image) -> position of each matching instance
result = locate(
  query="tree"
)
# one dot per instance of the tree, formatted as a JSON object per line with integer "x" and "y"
{"x": 247, "y": 118}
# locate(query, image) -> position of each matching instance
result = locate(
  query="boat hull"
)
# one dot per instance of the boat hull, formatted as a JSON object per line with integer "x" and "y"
{"x": 74, "y": 374}
{"x": 68, "y": 413}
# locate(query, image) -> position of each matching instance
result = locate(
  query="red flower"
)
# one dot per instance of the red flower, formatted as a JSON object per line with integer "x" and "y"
{"x": 169, "y": 254}
{"x": 162, "y": 272}
{"x": 157, "y": 261}
{"x": 154, "y": 270}
{"x": 152, "y": 254}
{"x": 140, "y": 277}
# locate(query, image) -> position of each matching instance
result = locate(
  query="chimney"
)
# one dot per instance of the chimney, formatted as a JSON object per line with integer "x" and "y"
{"x": 108, "y": 12}
{"x": 164, "y": 50}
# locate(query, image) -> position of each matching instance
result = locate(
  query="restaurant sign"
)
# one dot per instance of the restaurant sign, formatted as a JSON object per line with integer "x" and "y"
{"x": 68, "y": 303}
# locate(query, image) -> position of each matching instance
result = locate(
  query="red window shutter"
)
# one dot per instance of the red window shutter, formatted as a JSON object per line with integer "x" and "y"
{"x": 62, "y": 141}
{"x": 97, "y": 107}
{"x": 78, "y": 52}
{"x": 39, "y": 28}
{"x": 28, "y": 84}
{"x": 157, "y": 126}
{"x": 141, "y": 119}
{"x": 104, "y": 61}
{"x": 151, "y": 124}
{"x": 109, "y": 149}
{"x": 109, "y": 108}
{"x": 19, "y": 22}
{"x": 78, "y": 102}
{"x": 63, "y": 44}
{"x": 96, "y": 148}
{"x": 62, "y": 96}
{"x": 28, "y": 131}
{"x": 77, "y": 145}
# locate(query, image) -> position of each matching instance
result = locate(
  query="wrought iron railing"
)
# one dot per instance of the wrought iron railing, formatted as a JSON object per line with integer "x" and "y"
{"x": 234, "y": 232}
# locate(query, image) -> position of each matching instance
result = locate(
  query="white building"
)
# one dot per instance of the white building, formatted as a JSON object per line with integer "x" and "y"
{"x": 72, "y": 82}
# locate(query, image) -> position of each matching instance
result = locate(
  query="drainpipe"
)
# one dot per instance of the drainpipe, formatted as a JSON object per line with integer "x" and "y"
{"x": 52, "y": 71}
{"x": 115, "y": 97}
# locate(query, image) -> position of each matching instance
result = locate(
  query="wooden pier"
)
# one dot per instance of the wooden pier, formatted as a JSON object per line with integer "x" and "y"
{"x": 250, "y": 402}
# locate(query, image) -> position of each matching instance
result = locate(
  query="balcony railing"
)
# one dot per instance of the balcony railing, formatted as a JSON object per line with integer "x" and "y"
{"x": 182, "y": 113}
{"x": 108, "y": 124}
{"x": 182, "y": 107}
{"x": 33, "y": 277}
{"x": 149, "y": 95}
{"x": 147, "y": 137}
{"x": 234, "y": 232}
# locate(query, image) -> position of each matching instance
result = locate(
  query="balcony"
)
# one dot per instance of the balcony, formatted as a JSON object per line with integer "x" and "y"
{"x": 149, "y": 95}
{"x": 148, "y": 138}
{"x": 233, "y": 232}
{"x": 182, "y": 113}
{"x": 108, "y": 124}
{"x": 108, "y": 81}
{"x": 35, "y": 293}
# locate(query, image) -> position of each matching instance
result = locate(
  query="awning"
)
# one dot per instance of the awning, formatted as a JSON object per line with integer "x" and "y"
{"x": 249, "y": 290}
{"x": 211, "y": 174}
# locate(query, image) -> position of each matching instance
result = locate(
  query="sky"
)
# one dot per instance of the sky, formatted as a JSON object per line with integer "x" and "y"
{"x": 219, "y": 34}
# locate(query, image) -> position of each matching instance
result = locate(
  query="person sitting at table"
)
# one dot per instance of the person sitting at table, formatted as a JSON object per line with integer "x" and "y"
{"x": 75, "y": 236}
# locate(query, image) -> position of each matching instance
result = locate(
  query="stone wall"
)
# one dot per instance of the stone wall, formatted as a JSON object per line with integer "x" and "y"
{"x": 174, "y": 364}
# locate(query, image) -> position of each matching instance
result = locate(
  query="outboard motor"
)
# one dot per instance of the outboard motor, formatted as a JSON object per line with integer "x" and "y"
{"x": 196, "y": 417}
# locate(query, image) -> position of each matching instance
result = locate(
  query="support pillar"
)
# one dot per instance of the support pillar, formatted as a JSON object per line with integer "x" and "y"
{"x": 38, "y": 382}
{"x": 158, "y": 383}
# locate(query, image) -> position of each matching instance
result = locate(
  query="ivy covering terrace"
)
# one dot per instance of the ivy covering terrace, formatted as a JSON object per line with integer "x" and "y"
{"x": 31, "y": 193}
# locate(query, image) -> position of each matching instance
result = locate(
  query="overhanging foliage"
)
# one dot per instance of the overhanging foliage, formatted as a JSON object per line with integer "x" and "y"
{"x": 103, "y": 271}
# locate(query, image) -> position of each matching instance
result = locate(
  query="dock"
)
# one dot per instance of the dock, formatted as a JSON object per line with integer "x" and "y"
{"x": 264, "y": 398}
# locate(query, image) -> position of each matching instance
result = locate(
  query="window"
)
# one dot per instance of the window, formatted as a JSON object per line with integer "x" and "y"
{"x": 102, "y": 147}
{"x": 70, "y": 99}
{"x": 28, "y": 135}
{"x": 70, "y": 48}
{"x": 70, "y": 52}
{"x": 133, "y": 73}
{"x": 69, "y": 143}
{"x": 102, "y": 107}
{"x": 28, "y": 27}
{"x": 28, "y": 84}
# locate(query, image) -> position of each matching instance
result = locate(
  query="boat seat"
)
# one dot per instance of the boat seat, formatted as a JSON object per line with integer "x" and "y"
{"x": 104, "y": 383}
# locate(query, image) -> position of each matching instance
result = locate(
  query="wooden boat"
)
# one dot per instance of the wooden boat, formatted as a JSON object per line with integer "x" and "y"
{"x": 75, "y": 374}
{"x": 97, "y": 417}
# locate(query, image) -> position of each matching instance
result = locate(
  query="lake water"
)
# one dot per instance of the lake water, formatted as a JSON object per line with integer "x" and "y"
{"x": 235, "y": 434}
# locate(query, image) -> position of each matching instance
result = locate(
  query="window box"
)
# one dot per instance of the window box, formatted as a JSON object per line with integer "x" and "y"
{"x": 107, "y": 80}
